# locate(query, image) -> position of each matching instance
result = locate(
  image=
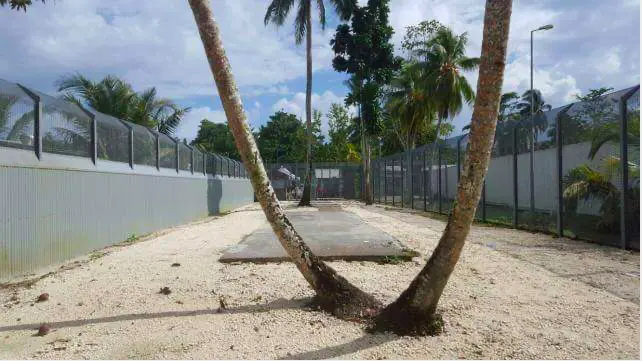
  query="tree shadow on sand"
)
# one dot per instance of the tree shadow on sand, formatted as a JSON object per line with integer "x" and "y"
{"x": 279, "y": 304}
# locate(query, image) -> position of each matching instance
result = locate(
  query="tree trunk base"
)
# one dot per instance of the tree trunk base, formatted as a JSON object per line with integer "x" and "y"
{"x": 305, "y": 197}
{"x": 345, "y": 301}
{"x": 404, "y": 320}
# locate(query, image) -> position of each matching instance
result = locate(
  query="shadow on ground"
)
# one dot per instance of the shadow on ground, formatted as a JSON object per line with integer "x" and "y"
{"x": 280, "y": 304}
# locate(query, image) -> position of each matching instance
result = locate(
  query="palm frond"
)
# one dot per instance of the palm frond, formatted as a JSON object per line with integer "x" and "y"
{"x": 278, "y": 11}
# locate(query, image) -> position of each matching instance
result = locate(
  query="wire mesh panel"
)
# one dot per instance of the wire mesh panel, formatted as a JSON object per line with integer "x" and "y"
{"x": 448, "y": 173}
{"x": 144, "y": 145}
{"x": 167, "y": 151}
{"x": 66, "y": 129}
{"x": 592, "y": 184}
{"x": 112, "y": 138}
{"x": 16, "y": 117}
{"x": 198, "y": 161}
{"x": 633, "y": 152}
{"x": 499, "y": 190}
{"x": 185, "y": 157}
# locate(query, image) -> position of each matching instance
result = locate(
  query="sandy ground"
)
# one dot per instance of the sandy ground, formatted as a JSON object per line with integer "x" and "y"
{"x": 513, "y": 295}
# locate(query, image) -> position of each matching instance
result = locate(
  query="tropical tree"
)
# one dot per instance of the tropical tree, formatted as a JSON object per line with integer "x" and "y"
{"x": 215, "y": 138}
{"x": 115, "y": 97}
{"x": 409, "y": 105}
{"x": 333, "y": 292}
{"x": 364, "y": 50}
{"x": 445, "y": 61}
{"x": 415, "y": 311}
{"x": 539, "y": 107}
{"x": 276, "y": 13}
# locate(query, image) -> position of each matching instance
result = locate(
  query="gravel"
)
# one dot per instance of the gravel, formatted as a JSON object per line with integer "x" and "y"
{"x": 501, "y": 302}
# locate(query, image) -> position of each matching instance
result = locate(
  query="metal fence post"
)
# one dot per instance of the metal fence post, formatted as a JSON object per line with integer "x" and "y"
{"x": 385, "y": 182}
{"x": 191, "y": 159}
{"x": 393, "y": 182}
{"x": 423, "y": 178}
{"x": 560, "y": 171}
{"x": 515, "y": 203}
{"x": 624, "y": 164}
{"x": 204, "y": 163}
{"x": 93, "y": 141}
{"x": 177, "y": 160}
{"x": 403, "y": 176}
{"x": 412, "y": 183}
{"x": 157, "y": 151}
{"x": 439, "y": 175}
{"x": 37, "y": 120}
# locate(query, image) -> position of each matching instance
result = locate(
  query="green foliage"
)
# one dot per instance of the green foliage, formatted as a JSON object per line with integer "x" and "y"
{"x": 282, "y": 138}
{"x": 445, "y": 59}
{"x": 115, "y": 97}
{"x": 364, "y": 50}
{"x": 216, "y": 138}
{"x": 417, "y": 37}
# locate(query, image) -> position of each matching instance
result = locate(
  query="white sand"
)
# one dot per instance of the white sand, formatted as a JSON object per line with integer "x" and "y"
{"x": 510, "y": 296}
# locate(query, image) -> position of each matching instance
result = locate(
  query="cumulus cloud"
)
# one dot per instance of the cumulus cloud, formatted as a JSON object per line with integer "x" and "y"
{"x": 190, "y": 123}
{"x": 321, "y": 102}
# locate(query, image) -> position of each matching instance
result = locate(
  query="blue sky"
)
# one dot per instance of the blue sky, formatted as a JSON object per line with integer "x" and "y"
{"x": 155, "y": 43}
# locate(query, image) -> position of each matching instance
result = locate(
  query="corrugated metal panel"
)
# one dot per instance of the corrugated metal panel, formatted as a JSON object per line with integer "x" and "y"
{"x": 50, "y": 215}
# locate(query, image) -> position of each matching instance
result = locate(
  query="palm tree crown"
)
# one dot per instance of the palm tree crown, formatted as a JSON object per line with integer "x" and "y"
{"x": 115, "y": 97}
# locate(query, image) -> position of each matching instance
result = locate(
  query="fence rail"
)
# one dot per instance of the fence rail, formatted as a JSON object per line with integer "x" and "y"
{"x": 38, "y": 122}
{"x": 584, "y": 181}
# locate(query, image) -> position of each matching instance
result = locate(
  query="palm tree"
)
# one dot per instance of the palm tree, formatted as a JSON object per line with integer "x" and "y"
{"x": 540, "y": 106}
{"x": 409, "y": 105}
{"x": 333, "y": 292}
{"x": 276, "y": 13}
{"x": 445, "y": 60}
{"x": 115, "y": 97}
{"x": 415, "y": 311}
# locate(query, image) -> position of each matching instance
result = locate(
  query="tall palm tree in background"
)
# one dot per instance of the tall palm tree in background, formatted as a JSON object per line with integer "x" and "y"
{"x": 540, "y": 106}
{"x": 115, "y": 97}
{"x": 276, "y": 13}
{"x": 410, "y": 107}
{"x": 445, "y": 60}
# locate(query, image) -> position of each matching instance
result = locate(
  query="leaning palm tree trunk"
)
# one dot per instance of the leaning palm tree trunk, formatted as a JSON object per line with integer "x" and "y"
{"x": 334, "y": 293}
{"x": 307, "y": 188}
{"x": 414, "y": 312}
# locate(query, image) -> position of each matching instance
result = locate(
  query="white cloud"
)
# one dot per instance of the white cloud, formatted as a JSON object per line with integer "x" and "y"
{"x": 152, "y": 43}
{"x": 190, "y": 123}
{"x": 321, "y": 102}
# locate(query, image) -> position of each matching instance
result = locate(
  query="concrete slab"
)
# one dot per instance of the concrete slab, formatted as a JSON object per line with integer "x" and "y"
{"x": 331, "y": 234}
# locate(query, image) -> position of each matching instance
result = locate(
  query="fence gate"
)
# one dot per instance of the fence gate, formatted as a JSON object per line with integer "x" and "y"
{"x": 329, "y": 180}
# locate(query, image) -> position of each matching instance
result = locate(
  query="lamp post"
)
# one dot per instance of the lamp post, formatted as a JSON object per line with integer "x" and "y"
{"x": 532, "y": 152}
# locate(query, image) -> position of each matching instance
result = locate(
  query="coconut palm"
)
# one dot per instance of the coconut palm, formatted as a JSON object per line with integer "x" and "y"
{"x": 333, "y": 292}
{"x": 540, "y": 106}
{"x": 276, "y": 13}
{"x": 415, "y": 311}
{"x": 115, "y": 97}
{"x": 445, "y": 61}
{"x": 409, "y": 105}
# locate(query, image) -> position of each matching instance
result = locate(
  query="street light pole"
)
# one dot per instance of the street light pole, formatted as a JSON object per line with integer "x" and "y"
{"x": 532, "y": 135}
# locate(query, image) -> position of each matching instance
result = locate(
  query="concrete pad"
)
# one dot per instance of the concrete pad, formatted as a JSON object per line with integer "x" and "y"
{"x": 331, "y": 234}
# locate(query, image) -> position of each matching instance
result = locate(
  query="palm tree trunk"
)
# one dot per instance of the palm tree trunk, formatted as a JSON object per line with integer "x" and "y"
{"x": 414, "y": 312}
{"x": 333, "y": 292}
{"x": 307, "y": 189}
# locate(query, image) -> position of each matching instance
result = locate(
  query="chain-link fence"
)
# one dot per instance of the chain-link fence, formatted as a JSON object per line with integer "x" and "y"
{"x": 35, "y": 121}
{"x": 572, "y": 171}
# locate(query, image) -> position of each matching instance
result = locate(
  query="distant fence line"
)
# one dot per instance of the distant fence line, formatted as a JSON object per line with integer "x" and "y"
{"x": 35, "y": 121}
{"x": 427, "y": 180}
